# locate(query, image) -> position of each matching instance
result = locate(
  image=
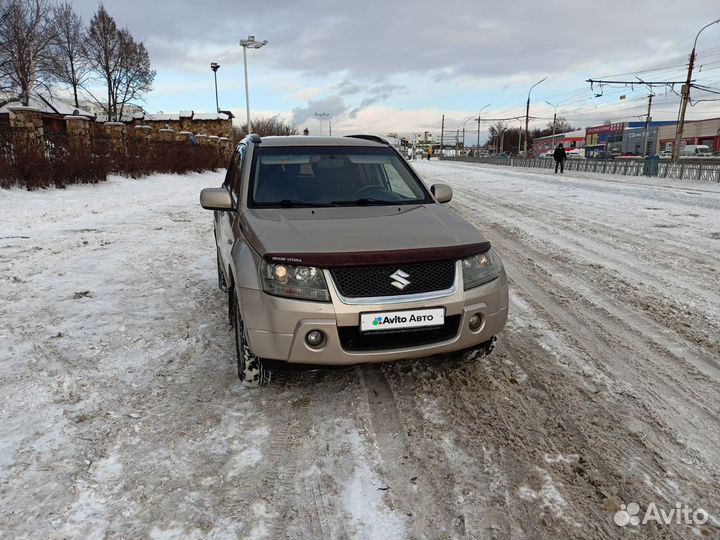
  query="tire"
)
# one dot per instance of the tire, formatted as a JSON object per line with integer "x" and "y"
{"x": 222, "y": 284}
{"x": 251, "y": 371}
{"x": 231, "y": 306}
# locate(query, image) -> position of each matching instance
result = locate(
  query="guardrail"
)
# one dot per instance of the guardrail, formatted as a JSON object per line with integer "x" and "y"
{"x": 703, "y": 170}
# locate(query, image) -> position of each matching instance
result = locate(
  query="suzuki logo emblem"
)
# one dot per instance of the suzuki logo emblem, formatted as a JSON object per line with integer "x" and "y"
{"x": 400, "y": 280}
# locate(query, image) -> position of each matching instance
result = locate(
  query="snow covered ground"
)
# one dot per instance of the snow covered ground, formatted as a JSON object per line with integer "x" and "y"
{"x": 121, "y": 416}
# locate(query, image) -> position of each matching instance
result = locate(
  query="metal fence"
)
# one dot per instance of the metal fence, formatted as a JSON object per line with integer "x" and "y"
{"x": 685, "y": 169}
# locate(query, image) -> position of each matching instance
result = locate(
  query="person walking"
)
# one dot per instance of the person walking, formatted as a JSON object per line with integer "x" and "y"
{"x": 560, "y": 156}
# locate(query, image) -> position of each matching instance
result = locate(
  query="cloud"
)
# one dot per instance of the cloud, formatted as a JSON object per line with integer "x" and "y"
{"x": 410, "y": 56}
{"x": 377, "y": 94}
{"x": 378, "y": 39}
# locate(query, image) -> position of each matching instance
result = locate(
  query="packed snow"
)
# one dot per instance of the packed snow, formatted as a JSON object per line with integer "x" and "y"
{"x": 121, "y": 415}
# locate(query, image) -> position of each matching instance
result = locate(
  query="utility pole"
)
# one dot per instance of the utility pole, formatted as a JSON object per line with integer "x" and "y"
{"x": 647, "y": 127}
{"x": 479, "y": 113}
{"x": 520, "y": 138}
{"x": 442, "y": 135}
{"x": 527, "y": 115}
{"x": 686, "y": 96}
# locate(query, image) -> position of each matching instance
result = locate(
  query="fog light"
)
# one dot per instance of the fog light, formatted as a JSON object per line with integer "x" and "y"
{"x": 475, "y": 322}
{"x": 315, "y": 338}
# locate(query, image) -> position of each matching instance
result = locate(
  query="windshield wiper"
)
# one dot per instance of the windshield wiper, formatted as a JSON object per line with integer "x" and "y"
{"x": 363, "y": 201}
{"x": 294, "y": 203}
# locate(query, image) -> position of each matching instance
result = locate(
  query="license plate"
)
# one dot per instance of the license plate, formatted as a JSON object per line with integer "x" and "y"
{"x": 393, "y": 320}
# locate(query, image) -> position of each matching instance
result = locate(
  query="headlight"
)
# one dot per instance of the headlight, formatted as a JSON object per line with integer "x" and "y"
{"x": 305, "y": 282}
{"x": 480, "y": 269}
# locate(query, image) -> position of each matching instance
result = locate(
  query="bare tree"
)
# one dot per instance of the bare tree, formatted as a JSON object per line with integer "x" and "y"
{"x": 134, "y": 75}
{"x": 25, "y": 38}
{"x": 271, "y": 125}
{"x": 103, "y": 49}
{"x": 122, "y": 63}
{"x": 497, "y": 131}
{"x": 68, "y": 61}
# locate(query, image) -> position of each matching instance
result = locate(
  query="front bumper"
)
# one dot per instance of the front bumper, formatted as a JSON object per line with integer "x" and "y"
{"x": 277, "y": 326}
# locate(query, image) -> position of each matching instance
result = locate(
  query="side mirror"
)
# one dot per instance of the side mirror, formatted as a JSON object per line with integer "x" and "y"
{"x": 442, "y": 192}
{"x": 216, "y": 199}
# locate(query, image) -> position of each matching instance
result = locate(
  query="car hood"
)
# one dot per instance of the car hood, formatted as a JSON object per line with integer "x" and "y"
{"x": 344, "y": 236}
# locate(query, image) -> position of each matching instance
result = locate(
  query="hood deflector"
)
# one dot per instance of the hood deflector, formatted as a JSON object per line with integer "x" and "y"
{"x": 378, "y": 258}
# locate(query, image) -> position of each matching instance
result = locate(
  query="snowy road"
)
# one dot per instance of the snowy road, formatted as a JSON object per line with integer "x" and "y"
{"x": 121, "y": 415}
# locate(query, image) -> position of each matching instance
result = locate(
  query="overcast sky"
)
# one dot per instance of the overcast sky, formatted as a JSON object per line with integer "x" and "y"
{"x": 396, "y": 66}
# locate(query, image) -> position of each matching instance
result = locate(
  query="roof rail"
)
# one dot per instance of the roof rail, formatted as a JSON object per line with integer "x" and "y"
{"x": 373, "y": 138}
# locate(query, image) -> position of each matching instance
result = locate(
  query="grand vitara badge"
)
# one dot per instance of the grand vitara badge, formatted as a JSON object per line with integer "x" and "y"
{"x": 400, "y": 279}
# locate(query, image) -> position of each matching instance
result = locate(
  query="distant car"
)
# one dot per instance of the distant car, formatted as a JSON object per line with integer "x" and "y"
{"x": 665, "y": 154}
{"x": 503, "y": 155}
{"x": 696, "y": 150}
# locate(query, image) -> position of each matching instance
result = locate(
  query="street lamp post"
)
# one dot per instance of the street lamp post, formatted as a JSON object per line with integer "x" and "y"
{"x": 478, "y": 120}
{"x": 215, "y": 66}
{"x": 527, "y": 114}
{"x": 686, "y": 96}
{"x": 249, "y": 43}
{"x": 321, "y": 117}
{"x": 554, "y": 119}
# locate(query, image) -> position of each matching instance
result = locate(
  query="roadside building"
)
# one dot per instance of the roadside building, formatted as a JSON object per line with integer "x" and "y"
{"x": 694, "y": 132}
{"x": 98, "y": 109}
{"x": 571, "y": 139}
{"x": 604, "y": 139}
{"x": 634, "y": 137}
{"x": 52, "y": 111}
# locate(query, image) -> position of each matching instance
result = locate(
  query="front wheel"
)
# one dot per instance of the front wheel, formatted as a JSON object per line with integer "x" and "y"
{"x": 251, "y": 370}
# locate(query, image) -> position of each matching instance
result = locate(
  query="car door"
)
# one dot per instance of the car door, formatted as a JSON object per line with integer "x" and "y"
{"x": 224, "y": 219}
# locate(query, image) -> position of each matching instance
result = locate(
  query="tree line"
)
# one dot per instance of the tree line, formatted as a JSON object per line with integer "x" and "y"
{"x": 510, "y": 136}
{"x": 44, "y": 45}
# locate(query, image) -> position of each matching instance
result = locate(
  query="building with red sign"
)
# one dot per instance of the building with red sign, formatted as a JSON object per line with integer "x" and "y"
{"x": 696, "y": 132}
{"x": 571, "y": 139}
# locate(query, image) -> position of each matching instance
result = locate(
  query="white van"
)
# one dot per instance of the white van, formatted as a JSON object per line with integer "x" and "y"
{"x": 696, "y": 150}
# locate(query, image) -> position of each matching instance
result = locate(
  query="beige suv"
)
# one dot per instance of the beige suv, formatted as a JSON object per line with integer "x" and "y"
{"x": 334, "y": 252}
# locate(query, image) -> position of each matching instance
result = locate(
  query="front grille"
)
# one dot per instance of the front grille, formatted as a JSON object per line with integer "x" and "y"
{"x": 370, "y": 281}
{"x": 352, "y": 339}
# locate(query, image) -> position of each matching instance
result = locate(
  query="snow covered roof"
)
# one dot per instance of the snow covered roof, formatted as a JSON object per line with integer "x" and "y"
{"x": 167, "y": 117}
{"x": 162, "y": 117}
{"x": 578, "y": 133}
{"x": 45, "y": 104}
{"x": 210, "y": 116}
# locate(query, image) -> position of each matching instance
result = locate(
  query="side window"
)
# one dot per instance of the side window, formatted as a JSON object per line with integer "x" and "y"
{"x": 230, "y": 170}
{"x": 237, "y": 173}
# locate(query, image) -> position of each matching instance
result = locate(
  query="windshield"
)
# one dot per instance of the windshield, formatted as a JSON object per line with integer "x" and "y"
{"x": 332, "y": 176}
